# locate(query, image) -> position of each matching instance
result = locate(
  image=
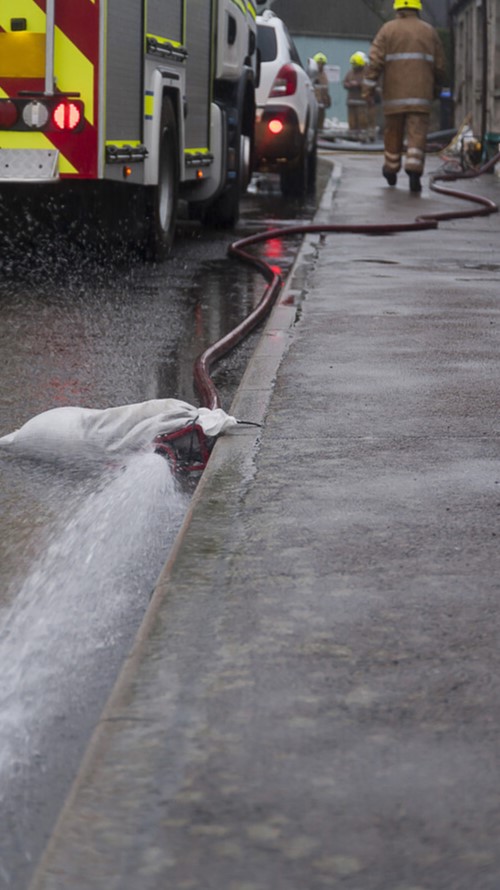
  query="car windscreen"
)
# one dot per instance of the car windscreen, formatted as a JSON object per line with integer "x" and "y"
{"x": 266, "y": 42}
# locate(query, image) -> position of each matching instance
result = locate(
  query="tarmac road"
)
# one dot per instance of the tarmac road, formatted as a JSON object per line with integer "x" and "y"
{"x": 313, "y": 699}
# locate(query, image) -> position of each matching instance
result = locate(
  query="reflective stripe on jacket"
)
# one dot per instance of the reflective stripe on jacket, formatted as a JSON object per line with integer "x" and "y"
{"x": 409, "y": 54}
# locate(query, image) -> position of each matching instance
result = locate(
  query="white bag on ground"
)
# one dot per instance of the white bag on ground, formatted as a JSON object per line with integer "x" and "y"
{"x": 73, "y": 432}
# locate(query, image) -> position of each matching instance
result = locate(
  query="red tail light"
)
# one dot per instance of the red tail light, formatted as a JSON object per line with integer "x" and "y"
{"x": 8, "y": 114}
{"x": 66, "y": 115}
{"x": 285, "y": 82}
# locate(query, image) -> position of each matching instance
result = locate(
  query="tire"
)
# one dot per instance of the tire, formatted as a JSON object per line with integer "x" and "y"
{"x": 312, "y": 168}
{"x": 294, "y": 177}
{"x": 225, "y": 210}
{"x": 162, "y": 198}
{"x": 245, "y": 162}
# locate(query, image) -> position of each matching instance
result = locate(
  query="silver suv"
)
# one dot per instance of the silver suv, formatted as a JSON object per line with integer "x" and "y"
{"x": 287, "y": 112}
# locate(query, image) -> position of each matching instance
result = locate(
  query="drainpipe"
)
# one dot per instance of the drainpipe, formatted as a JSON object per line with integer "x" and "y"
{"x": 484, "y": 115}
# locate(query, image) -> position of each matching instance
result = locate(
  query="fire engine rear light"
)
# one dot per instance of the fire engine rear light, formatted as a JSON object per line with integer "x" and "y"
{"x": 8, "y": 114}
{"x": 285, "y": 82}
{"x": 275, "y": 126}
{"x": 35, "y": 115}
{"x": 66, "y": 116}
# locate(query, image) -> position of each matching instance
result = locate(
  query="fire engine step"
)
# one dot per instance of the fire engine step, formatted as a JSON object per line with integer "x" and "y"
{"x": 31, "y": 163}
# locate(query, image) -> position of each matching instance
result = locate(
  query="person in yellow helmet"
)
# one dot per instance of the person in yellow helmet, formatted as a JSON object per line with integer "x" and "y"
{"x": 409, "y": 54}
{"x": 360, "y": 114}
{"x": 321, "y": 88}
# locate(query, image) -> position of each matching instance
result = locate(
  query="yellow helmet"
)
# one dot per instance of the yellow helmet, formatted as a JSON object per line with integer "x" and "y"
{"x": 407, "y": 4}
{"x": 358, "y": 59}
{"x": 320, "y": 57}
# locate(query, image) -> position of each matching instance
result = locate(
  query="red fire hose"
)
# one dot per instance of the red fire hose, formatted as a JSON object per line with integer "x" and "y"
{"x": 203, "y": 382}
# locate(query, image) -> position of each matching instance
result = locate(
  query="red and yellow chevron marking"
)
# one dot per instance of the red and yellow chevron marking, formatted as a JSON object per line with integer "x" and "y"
{"x": 76, "y": 68}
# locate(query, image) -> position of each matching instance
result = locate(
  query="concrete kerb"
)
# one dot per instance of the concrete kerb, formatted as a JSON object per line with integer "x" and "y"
{"x": 228, "y": 473}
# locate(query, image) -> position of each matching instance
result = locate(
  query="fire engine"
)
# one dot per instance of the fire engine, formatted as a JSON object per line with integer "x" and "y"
{"x": 129, "y": 106}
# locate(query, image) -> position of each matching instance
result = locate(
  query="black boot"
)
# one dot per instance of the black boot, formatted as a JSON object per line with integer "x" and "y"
{"x": 415, "y": 184}
{"x": 391, "y": 177}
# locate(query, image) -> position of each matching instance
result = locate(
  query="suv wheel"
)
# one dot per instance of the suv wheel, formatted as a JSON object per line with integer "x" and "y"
{"x": 294, "y": 176}
{"x": 312, "y": 166}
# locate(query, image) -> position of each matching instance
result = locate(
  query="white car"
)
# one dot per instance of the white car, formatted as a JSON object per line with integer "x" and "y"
{"x": 286, "y": 120}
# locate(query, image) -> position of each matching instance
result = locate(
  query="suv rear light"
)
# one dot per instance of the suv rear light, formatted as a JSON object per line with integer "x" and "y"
{"x": 285, "y": 82}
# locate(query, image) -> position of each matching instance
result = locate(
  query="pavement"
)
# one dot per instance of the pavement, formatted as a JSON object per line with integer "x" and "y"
{"x": 313, "y": 699}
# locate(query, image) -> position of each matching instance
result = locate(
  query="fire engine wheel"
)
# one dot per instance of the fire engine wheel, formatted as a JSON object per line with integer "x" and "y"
{"x": 163, "y": 197}
{"x": 225, "y": 211}
{"x": 245, "y": 162}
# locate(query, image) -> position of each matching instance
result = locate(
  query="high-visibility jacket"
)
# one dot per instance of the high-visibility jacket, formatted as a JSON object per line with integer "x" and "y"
{"x": 409, "y": 54}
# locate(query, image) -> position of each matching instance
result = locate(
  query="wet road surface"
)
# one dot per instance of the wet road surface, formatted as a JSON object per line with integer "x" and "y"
{"x": 328, "y": 676}
{"x": 80, "y": 553}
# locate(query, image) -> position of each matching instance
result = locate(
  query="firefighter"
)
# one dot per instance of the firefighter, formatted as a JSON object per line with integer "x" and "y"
{"x": 360, "y": 114}
{"x": 409, "y": 54}
{"x": 321, "y": 90}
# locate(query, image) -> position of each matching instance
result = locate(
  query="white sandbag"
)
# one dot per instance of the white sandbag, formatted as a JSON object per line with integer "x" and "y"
{"x": 214, "y": 421}
{"x": 72, "y": 432}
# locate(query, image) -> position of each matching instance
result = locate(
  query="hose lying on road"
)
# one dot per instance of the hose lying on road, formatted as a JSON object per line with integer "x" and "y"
{"x": 203, "y": 382}
{"x": 337, "y": 141}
